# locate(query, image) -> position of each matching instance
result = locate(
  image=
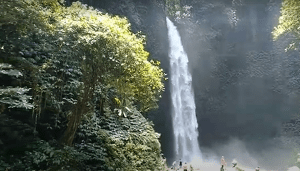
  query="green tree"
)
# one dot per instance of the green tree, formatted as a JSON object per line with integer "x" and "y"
{"x": 289, "y": 22}
{"x": 76, "y": 67}
{"x": 80, "y": 51}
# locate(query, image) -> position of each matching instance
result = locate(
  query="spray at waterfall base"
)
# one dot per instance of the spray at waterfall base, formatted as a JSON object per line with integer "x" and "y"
{"x": 273, "y": 158}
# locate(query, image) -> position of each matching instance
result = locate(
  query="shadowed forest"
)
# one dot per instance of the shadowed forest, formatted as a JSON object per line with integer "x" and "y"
{"x": 85, "y": 85}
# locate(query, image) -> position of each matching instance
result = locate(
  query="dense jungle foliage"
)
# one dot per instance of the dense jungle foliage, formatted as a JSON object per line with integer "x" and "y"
{"x": 289, "y": 23}
{"x": 74, "y": 85}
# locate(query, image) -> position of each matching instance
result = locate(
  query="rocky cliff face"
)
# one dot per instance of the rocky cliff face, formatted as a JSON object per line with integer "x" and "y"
{"x": 245, "y": 83}
{"x": 240, "y": 76}
{"x": 234, "y": 61}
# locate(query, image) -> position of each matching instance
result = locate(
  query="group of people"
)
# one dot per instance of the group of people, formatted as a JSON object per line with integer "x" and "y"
{"x": 234, "y": 164}
{"x": 182, "y": 165}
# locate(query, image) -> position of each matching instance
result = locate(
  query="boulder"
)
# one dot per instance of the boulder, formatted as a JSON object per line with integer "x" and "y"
{"x": 294, "y": 168}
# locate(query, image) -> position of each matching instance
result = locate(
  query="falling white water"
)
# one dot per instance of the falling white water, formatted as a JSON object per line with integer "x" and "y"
{"x": 183, "y": 104}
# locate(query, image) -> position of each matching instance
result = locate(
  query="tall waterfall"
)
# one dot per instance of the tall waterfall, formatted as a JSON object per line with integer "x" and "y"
{"x": 183, "y": 104}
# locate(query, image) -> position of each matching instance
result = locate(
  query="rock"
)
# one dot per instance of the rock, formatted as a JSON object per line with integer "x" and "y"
{"x": 294, "y": 168}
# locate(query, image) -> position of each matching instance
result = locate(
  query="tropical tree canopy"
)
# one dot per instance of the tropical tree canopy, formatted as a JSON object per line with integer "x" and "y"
{"x": 70, "y": 57}
{"x": 289, "y": 22}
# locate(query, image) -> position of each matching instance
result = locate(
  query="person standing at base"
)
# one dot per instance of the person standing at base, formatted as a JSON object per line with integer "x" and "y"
{"x": 234, "y": 163}
{"x": 223, "y": 163}
{"x": 174, "y": 165}
{"x": 257, "y": 169}
{"x": 180, "y": 164}
{"x": 185, "y": 167}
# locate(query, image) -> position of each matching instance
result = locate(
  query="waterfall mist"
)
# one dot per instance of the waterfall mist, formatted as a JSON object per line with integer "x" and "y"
{"x": 244, "y": 84}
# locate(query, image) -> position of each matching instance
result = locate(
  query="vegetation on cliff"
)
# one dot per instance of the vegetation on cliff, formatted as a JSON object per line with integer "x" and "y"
{"x": 74, "y": 84}
{"x": 177, "y": 10}
{"x": 289, "y": 23}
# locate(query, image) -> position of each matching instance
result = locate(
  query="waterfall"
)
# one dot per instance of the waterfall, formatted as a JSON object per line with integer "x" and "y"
{"x": 183, "y": 104}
